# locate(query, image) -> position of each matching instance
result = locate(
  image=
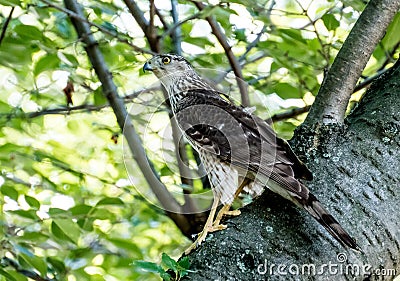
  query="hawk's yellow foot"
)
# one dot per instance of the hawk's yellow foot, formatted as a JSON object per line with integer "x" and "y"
{"x": 207, "y": 227}
{"x": 224, "y": 212}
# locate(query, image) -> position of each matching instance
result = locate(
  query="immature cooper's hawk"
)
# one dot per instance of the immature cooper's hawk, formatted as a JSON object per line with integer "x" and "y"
{"x": 238, "y": 150}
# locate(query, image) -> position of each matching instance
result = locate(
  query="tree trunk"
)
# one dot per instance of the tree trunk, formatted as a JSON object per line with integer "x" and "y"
{"x": 356, "y": 168}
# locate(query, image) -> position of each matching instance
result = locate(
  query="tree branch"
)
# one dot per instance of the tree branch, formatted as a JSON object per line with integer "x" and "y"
{"x": 99, "y": 27}
{"x": 289, "y": 114}
{"x": 4, "y": 29}
{"x": 177, "y": 33}
{"x": 110, "y": 92}
{"x": 333, "y": 97}
{"x": 161, "y": 17}
{"x": 144, "y": 24}
{"x": 254, "y": 43}
{"x": 217, "y": 31}
{"x": 83, "y": 107}
{"x": 300, "y": 110}
{"x": 171, "y": 29}
{"x": 367, "y": 81}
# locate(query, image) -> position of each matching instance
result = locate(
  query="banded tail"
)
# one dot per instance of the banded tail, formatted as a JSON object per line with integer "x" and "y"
{"x": 315, "y": 208}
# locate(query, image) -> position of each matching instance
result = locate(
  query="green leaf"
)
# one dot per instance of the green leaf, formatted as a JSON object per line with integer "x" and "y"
{"x": 9, "y": 191}
{"x": 165, "y": 276}
{"x": 286, "y": 91}
{"x": 66, "y": 228}
{"x": 148, "y": 266}
{"x": 86, "y": 223}
{"x": 103, "y": 214}
{"x": 292, "y": 34}
{"x": 71, "y": 60}
{"x": 10, "y": 2}
{"x": 166, "y": 171}
{"x": 169, "y": 262}
{"x": 28, "y": 214}
{"x": 314, "y": 44}
{"x": 330, "y": 21}
{"x": 99, "y": 98}
{"x": 128, "y": 245}
{"x": 184, "y": 262}
{"x": 184, "y": 265}
{"x": 3, "y": 272}
{"x": 35, "y": 204}
{"x": 33, "y": 236}
{"x": 240, "y": 34}
{"x": 392, "y": 36}
{"x": 57, "y": 232}
{"x": 110, "y": 201}
{"x": 79, "y": 210}
{"x": 36, "y": 262}
{"x": 109, "y": 26}
{"x": 57, "y": 212}
{"x": 28, "y": 32}
{"x": 199, "y": 41}
{"x": 47, "y": 62}
{"x": 58, "y": 265}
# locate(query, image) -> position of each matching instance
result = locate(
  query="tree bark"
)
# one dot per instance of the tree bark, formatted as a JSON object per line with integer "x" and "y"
{"x": 333, "y": 97}
{"x": 356, "y": 168}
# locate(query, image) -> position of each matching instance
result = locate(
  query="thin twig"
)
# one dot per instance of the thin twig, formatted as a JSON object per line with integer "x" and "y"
{"x": 152, "y": 34}
{"x": 289, "y": 114}
{"x": 64, "y": 110}
{"x": 222, "y": 76}
{"x": 161, "y": 17}
{"x": 370, "y": 79}
{"x": 146, "y": 26}
{"x": 389, "y": 56}
{"x": 4, "y": 29}
{"x": 254, "y": 43}
{"x": 86, "y": 107}
{"x": 228, "y": 51}
{"x": 176, "y": 25}
{"x": 99, "y": 27}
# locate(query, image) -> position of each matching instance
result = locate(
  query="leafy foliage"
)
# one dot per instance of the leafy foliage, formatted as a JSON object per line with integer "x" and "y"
{"x": 178, "y": 269}
{"x": 69, "y": 209}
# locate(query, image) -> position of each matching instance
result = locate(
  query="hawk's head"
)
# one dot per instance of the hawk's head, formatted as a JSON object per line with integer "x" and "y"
{"x": 164, "y": 65}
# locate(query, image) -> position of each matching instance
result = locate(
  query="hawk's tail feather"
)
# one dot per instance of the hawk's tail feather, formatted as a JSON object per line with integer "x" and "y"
{"x": 315, "y": 208}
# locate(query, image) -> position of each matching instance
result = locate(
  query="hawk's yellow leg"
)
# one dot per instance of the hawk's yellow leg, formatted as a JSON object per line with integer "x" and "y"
{"x": 212, "y": 225}
{"x": 225, "y": 209}
{"x": 208, "y": 227}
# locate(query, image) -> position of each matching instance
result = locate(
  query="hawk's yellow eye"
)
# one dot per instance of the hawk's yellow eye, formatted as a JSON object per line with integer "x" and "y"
{"x": 166, "y": 60}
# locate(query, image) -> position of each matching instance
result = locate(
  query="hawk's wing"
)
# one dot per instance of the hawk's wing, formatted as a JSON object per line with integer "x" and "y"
{"x": 235, "y": 135}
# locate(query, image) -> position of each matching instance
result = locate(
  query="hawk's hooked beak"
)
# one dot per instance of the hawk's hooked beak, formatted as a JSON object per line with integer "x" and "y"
{"x": 147, "y": 66}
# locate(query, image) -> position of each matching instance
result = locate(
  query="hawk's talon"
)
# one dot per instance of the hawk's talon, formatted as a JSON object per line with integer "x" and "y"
{"x": 225, "y": 212}
{"x": 218, "y": 227}
{"x": 233, "y": 213}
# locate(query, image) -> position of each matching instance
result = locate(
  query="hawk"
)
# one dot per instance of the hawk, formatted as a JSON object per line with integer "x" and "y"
{"x": 240, "y": 151}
